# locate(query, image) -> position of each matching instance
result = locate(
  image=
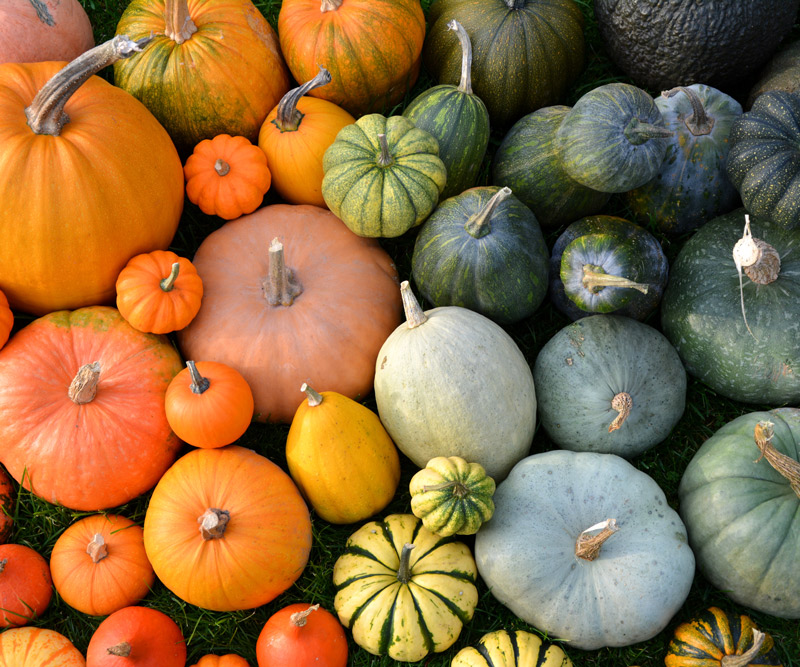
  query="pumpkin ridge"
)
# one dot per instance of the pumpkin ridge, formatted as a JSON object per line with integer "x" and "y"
{"x": 427, "y": 635}
{"x": 454, "y": 608}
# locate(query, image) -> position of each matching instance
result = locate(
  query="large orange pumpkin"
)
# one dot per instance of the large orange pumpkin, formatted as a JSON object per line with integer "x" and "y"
{"x": 34, "y": 647}
{"x": 82, "y": 416}
{"x": 316, "y": 309}
{"x": 227, "y": 529}
{"x": 84, "y": 187}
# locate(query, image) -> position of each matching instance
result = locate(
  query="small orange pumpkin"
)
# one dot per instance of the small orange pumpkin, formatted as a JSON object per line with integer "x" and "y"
{"x": 6, "y": 320}
{"x": 6, "y": 506}
{"x": 301, "y": 635}
{"x": 159, "y": 292}
{"x": 34, "y": 647}
{"x": 227, "y": 176}
{"x": 229, "y": 660}
{"x": 99, "y": 565}
{"x": 209, "y": 404}
{"x": 25, "y": 585}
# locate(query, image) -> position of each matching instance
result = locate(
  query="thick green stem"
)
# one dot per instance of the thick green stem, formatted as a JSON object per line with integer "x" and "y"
{"x": 413, "y": 311}
{"x": 479, "y": 224}
{"x": 465, "y": 85}
{"x": 459, "y": 489}
{"x": 314, "y": 398}
{"x": 385, "y": 158}
{"x": 199, "y": 383}
{"x": 595, "y": 280}
{"x": 281, "y": 287}
{"x": 638, "y": 132}
{"x": 169, "y": 282}
{"x": 404, "y": 569}
{"x": 178, "y": 25}
{"x": 287, "y": 118}
{"x": 698, "y": 122}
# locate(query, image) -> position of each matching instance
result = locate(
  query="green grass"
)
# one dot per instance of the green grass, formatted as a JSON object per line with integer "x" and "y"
{"x": 38, "y": 524}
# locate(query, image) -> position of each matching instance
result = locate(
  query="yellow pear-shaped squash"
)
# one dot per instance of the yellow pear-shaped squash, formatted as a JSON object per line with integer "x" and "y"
{"x": 341, "y": 457}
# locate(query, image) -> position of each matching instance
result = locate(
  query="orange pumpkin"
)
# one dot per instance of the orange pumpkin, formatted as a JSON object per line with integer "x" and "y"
{"x": 25, "y": 585}
{"x": 137, "y": 637}
{"x": 295, "y": 136}
{"x": 372, "y": 47}
{"x": 6, "y": 320}
{"x": 99, "y": 565}
{"x": 84, "y": 187}
{"x": 34, "y": 647}
{"x": 215, "y": 66}
{"x": 159, "y": 292}
{"x": 227, "y": 529}
{"x": 300, "y": 635}
{"x": 227, "y": 176}
{"x": 318, "y": 315}
{"x": 82, "y": 408}
{"x": 6, "y": 506}
{"x": 229, "y": 660}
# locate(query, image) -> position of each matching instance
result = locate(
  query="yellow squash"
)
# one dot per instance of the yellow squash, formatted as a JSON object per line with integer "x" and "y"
{"x": 511, "y": 649}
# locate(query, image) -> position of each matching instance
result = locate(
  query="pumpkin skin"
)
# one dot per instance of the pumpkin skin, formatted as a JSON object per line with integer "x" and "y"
{"x": 6, "y": 506}
{"x": 511, "y": 649}
{"x": 529, "y": 545}
{"x": 227, "y": 566}
{"x": 299, "y": 635}
{"x": 6, "y": 320}
{"x": 100, "y": 576}
{"x": 780, "y": 73}
{"x": 239, "y": 71}
{"x": 484, "y": 250}
{"x": 34, "y": 647}
{"x": 228, "y": 660}
{"x": 368, "y": 75}
{"x": 25, "y": 585}
{"x": 121, "y": 149}
{"x": 535, "y": 47}
{"x": 382, "y": 188}
{"x": 404, "y": 608}
{"x": 713, "y": 635}
{"x": 324, "y": 337}
{"x": 727, "y": 501}
{"x": 125, "y": 443}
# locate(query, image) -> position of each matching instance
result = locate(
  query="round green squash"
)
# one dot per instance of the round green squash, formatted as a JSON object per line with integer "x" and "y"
{"x": 482, "y": 250}
{"x": 613, "y": 139}
{"x": 526, "y": 53}
{"x": 585, "y": 547}
{"x": 527, "y": 162}
{"x": 782, "y": 72}
{"x": 740, "y": 500}
{"x": 458, "y": 120}
{"x": 751, "y": 356}
{"x": 382, "y": 176}
{"x": 609, "y": 384}
{"x": 516, "y": 648}
{"x": 692, "y": 186}
{"x": 605, "y": 264}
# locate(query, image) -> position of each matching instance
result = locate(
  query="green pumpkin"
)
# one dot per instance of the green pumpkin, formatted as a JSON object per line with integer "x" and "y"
{"x": 482, "y": 250}
{"x": 740, "y": 500}
{"x": 782, "y": 72}
{"x": 382, "y": 176}
{"x": 527, "y": 162}
{"x": 458, "y": 120}
{"x": 604, "y": 264}
{"x": 613, "y": 139}
{"x": 526, "y": 53}
{"x": 516, "y": 648}
{"x": 751, "y": 356}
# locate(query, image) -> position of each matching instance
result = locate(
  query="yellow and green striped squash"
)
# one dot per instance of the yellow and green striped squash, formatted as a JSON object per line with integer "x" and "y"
{"x": 511, "y": 649}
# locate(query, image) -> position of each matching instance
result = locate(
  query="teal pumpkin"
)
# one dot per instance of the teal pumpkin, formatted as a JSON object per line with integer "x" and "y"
{"x": 482, "y": 250}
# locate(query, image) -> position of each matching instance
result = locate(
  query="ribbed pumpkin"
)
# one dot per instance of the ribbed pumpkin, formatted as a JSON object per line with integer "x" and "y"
{"x": 87, "y": 367}
{"x": 300, "y": 635}
{"x": 515, "y": 648}
{"x": 227, "y": 529}
{"x": 6, "y": 320}
{"x": 6, "y": 506}
{"x": 65, "y": 238}
{"x": 227, "y": 660}
{"x": 214, "y": 67}
{"x": 403, "y": 591}
{"x": 34, "y": 647}
{"x": 26, "y": 587}
{"x": 383, "y": 176}
{"x": 371, "y": 48}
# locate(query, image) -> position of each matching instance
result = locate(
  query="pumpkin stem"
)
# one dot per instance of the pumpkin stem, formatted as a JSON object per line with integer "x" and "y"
{"x": 465, "y": 85}
{"x": 588, "y": 547}
{"x": 330, "y": 5}
{"x": 169, "y": 282}
{"x": 178, "y": 24}
{"x": 479, "y": 225}
{"x": 314, "y": 399}
{"x": 199, "y": 383}
{"x": 287, "y": 118}
{"x": 385, "y": 158}
{"x": 221, "y": 167}
{"x": 515, "y": 4}
{"x": 281, "y": 287}
{"x": 46, "y": 113}
{"x": 622, "y": 403}
{"x": 3, "y": 564}
{"x": 698, "y": 122}
{"x": 638, "y": 132}
{"x": 83, "y": 387}
{"x": 300, "y": 618}
{"x": 403, "y": 570}
{"x": 459, "y": 490}
{"x": 97, "y": 548}
{"x": 213, "y": 522}
{"x": 745, "y": 658}
{"x": 595, "y": 279}
{"x": 785, "y": 465}
{"x": 414, "y": 313}
{"x": 123, "y": 650}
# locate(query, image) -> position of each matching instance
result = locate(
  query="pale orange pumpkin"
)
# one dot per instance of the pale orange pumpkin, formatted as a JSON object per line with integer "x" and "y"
{"x": 316, "y": 312}
{"x": 34, "y": 647}
{"x": 6, "y": 320}
{"x": 25, "y": 585}
{"x": 228, "y": 660}
{"x": 6, "y": 506}
{"x": 99, "y": 565}
{"x": 227, "y": 529}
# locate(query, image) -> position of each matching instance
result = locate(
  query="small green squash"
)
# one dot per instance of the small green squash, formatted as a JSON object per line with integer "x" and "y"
{"x": 483, "y": 250}
{"x": 458, "y": 120}
{"x": 452, "y": 496}
{"x": 516, "y": 648}
{"x": 382, "y": 176}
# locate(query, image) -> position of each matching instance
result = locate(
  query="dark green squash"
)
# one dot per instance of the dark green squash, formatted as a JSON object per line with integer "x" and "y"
{"x": 458, "y": 120}
{"x": 782, "y": 72}
{"x": 527, "y": 162}
{"x": 526, "y": 53}
{"x": 482, "y": 250}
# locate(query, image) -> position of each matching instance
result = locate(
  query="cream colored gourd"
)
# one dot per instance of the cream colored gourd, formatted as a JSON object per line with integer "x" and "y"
{"x": 450, "y": 382}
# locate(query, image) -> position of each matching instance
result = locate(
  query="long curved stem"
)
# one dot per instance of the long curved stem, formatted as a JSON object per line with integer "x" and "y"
{"x": 698, "y": 122}
{"x": 288, "y": 117}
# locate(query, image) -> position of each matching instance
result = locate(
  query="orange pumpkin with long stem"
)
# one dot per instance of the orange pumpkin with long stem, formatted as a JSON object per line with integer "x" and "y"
{"x": 6, "y": 320}
{"x": 294, "y": 137}
{"x": 34, "y": 647}
{"x": 299, "y": 635}
{"x": 25, "y": 585}
{"x": 6, "y": 506}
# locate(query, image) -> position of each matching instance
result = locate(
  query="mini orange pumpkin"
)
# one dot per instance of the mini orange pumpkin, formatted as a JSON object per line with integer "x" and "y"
{"x": 34, "y": 647}
{"x": 227, "y": 176}
{"x": 25, "y": 585}
{"x": 6, "y": 320}
{"x": 229, "y": 660}
{"x": 159, "y": 292}
{"x": 6, "y": 506}
{"x": 301, "y": 635}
